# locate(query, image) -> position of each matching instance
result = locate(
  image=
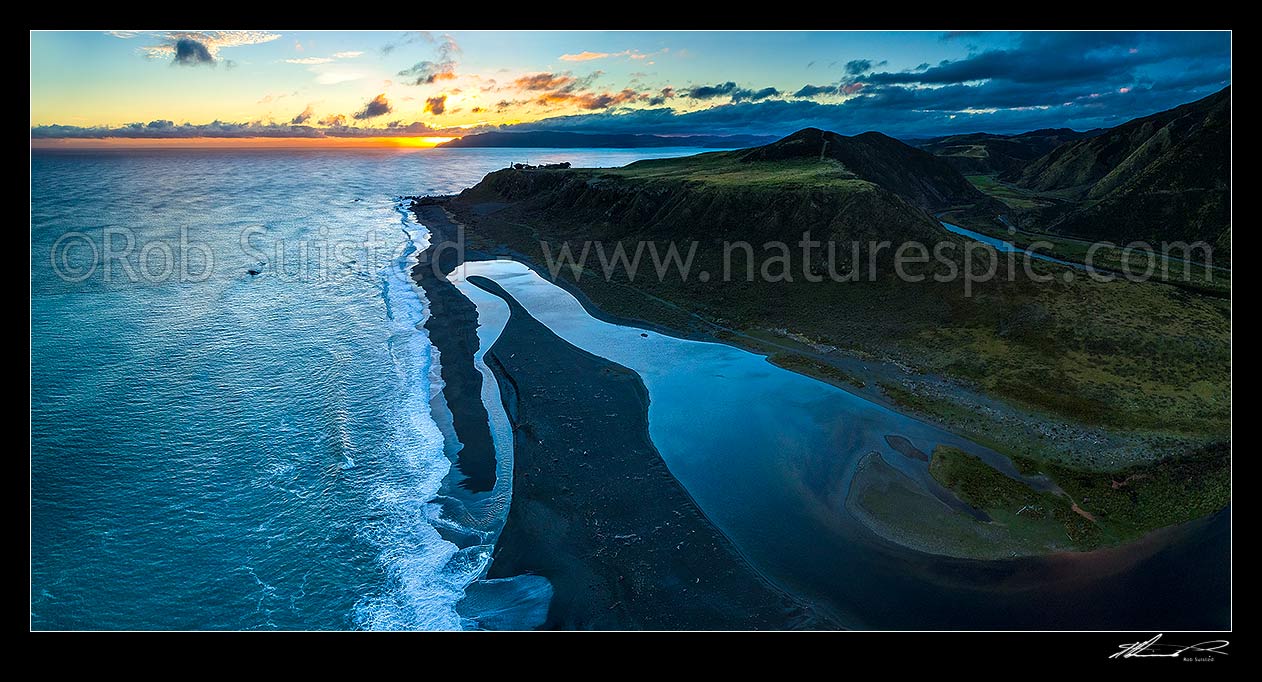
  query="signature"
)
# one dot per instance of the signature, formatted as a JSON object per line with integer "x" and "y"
{"x": 1154, "y": 649}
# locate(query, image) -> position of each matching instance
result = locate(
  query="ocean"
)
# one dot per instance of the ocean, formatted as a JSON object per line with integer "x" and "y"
{"x": 215, "y": 449}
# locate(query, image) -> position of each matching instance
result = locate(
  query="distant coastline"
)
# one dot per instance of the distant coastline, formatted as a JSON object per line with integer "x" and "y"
{"x": 566, "y": 140}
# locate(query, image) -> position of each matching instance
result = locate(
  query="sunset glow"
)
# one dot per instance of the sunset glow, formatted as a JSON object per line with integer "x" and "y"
{"x": 415, "y": 89}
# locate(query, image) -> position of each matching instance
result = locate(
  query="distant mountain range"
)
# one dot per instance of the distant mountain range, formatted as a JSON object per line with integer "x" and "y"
{"x": 565, "y": 140}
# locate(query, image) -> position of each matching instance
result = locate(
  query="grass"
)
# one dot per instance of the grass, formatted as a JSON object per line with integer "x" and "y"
{"x": 897, "y": 508}
{"x": 1122, "y": 505}
{"x": 720, "y": 169}
{"x": 1170, "y": 268}
{"x": 1011, "y": 501}
{"x": 815, "y": 368}
{"x": 1013, "y": 196}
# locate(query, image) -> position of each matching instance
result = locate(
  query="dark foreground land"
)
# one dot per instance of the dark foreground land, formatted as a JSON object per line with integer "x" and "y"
{"x": 596, "y": 511}
{"x": 1104, "y": 387}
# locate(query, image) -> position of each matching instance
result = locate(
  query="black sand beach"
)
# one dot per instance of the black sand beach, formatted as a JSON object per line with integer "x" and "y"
{"x": 596, "y": 511}
{"x": 453, "y": 329}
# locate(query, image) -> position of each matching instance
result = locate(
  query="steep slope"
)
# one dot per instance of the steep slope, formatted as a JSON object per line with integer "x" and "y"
{"x": 1159, "y": 178}
{"x": 917, "y": 176}
{"x": 987, "y": 153}
{"x": 867, "y": 187}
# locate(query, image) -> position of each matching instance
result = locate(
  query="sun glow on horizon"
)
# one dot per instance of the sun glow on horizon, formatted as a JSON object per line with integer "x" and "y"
{"x": 397, "y": 142}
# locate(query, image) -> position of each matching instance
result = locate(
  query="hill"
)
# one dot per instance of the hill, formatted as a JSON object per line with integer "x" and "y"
{"x": 869, "y": 187}
{"x": 986, "y": 153}
{"x": 1163, "y": 177}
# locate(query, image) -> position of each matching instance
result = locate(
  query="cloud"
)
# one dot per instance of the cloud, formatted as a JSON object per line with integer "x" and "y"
{"x": 407, "y": 38}
{"x": 544, "y": 81}
{"x": 349, "y": 54}
{"x": 377, "y": 106}
{"x": 183, "y": 46}
{"x": 711, "y": 91}
{"x": 593, "y": 101}
{"x": 1064, "y": 57}
{"x": 304, "y": 116}
{"x": 754, "y": 95}
{"x": 663, "y": 95}
{"x": 816, "y": 90}
{"x": 436, "y": 105}
{"x": 1024, "y": 81}
{"x": 920, "y": 113}
{"x": 856, "y": 67}
{"x": 730, "y": 90}
{"x": 164, "y": 129}
{"x": 587, "y": 56}
{"x": 189, "y": 52}
{"x": 441, "y": 68}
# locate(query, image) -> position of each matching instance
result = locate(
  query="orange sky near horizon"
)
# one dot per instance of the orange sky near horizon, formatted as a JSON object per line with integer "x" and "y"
{"x": 396, "y": 142}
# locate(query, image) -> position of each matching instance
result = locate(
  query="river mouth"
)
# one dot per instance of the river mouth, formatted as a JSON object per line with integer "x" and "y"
{"x": 770, "y": 456}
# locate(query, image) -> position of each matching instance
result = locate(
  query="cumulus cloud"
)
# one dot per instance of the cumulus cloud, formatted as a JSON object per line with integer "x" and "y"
{"x": 194, "y": 47}
{"x": 377, "y": 106}
{"x": 189, "y": 52}
{"x": 333, "y": 120}
{"x": 304, "y": 116}
{"x": 441, "y": 68}
{"x": 436, "y": 105}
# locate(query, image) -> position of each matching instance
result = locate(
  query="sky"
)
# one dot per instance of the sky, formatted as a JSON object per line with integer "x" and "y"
{"x": 418, "y": 88}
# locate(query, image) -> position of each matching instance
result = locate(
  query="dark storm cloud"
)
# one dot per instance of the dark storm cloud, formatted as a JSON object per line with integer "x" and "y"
{"x": 816, "y": 90}
{"x": 754, "y": 95}
{"x": 377, "y": 106}
{"x": 712, "y": 91}
{"x": 1041, "y": 58}
{"x": 897, "y": 112}
{"x": 856, "y": 67}
{"x": 730, "y": 90}
{"x": 189, "y": 52}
